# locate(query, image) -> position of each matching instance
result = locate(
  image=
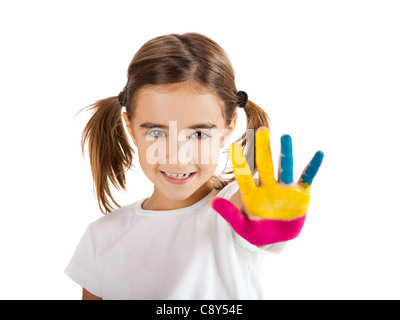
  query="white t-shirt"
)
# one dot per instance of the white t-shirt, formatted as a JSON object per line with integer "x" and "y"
{"x": 188, "y": 253}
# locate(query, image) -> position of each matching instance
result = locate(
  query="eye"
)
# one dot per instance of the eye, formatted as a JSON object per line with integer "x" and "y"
{"x": 156, "y": 133}
{"x": 199, "y": 135}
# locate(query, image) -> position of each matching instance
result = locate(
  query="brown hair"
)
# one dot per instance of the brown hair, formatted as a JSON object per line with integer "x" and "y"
{"x": 166, "y": 59}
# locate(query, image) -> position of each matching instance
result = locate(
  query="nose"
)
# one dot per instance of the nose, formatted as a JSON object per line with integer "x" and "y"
{"x": 180, "y": 152}
{"x": 172, "y": 151}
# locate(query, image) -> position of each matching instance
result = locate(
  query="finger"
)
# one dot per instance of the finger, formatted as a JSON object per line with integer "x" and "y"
{"x": 286, "y": 160}
{"x": 263, "y": 156}
{"x": 241, "y": 169}
{"x": 258, "y": 232}
{"x": 311, "y": 170}
{"x": 230, "y": 213}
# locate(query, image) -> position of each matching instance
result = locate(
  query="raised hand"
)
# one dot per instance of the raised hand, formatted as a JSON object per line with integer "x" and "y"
{"x": 258, "y": 232}
{"x": 280, "y": 200}
{"x": 281, "y": 204}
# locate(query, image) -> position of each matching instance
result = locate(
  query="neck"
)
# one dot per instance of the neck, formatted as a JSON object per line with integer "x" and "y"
{"x": 159, "y": 202}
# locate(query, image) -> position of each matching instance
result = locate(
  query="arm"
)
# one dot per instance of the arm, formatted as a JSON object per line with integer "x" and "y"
{"x": 280, "y": 206}
{"x": 86, "y": 295}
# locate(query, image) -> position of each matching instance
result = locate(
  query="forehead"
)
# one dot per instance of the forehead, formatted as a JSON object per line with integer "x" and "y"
{"x": 182, "y": 103}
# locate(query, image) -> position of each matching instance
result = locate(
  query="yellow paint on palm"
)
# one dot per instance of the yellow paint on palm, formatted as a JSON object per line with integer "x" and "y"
{"x": 269, "y": 200}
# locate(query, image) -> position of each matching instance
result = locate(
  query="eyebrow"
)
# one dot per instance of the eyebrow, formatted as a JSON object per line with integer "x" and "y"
{"x": 150, "y": 125}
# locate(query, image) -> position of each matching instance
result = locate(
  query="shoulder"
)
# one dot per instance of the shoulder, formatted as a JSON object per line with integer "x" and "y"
{"x": 113, "y": 223}
{"x": 228, "y": 191}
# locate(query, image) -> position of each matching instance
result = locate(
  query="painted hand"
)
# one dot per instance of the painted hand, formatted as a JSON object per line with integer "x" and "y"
{"x": 281, "y": 204}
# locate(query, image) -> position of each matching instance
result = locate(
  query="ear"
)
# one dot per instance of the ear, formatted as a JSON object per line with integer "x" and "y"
{"x": 129, "y": 127}
{"x": 228, "y": 131}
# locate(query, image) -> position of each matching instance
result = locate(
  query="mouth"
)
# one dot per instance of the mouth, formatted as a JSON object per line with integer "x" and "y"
{"x": 178, "y": 178}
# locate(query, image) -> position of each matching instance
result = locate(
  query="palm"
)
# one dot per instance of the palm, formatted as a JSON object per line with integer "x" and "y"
{"x": 280, "y": 200}
{"x": 272, "y": 201}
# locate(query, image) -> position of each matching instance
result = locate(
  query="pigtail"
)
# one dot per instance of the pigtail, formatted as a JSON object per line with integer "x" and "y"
{"x": 110, "y": 151}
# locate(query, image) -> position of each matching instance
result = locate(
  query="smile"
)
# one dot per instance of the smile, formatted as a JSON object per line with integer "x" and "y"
{"x": 178, "y": 178}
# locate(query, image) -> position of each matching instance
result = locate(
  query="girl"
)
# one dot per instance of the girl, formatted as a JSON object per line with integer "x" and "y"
{"x": 198, "y": 236}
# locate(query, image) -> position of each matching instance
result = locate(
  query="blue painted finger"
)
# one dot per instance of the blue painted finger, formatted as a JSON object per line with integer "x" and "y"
{"x": 312, "y": 168}
{"x": 286, "y": 174}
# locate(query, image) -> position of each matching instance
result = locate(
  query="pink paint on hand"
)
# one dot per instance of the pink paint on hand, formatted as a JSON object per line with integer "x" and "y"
{"x": 258, "y": 232}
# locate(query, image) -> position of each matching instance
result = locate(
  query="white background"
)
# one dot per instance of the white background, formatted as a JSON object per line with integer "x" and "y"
{"x": 326, "y": 72}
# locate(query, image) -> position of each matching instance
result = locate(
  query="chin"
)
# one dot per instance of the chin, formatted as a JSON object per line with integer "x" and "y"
{"x": 178, "y": 195}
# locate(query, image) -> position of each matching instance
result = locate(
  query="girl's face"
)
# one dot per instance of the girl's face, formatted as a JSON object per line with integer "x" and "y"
{"x": 178, "y": 131}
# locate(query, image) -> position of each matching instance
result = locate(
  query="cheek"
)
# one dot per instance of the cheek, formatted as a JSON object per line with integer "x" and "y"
{"x": 207, "y": 160}
{"x": 203, "y": 152}
{"x": 209, "y": 152}
{"x": 148, "y": 153}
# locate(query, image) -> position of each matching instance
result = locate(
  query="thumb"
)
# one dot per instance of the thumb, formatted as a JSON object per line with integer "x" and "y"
{"x": 224, "y": 207}
{"x": 229, "y": 212}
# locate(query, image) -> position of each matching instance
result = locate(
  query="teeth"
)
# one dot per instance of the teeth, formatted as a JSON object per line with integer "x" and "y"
{"x": 178, "y": 176}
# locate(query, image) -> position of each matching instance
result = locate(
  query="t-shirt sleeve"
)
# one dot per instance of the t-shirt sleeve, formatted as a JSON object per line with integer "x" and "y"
{"x": 83, "y": 268}
{"x": 227, "y": 192}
